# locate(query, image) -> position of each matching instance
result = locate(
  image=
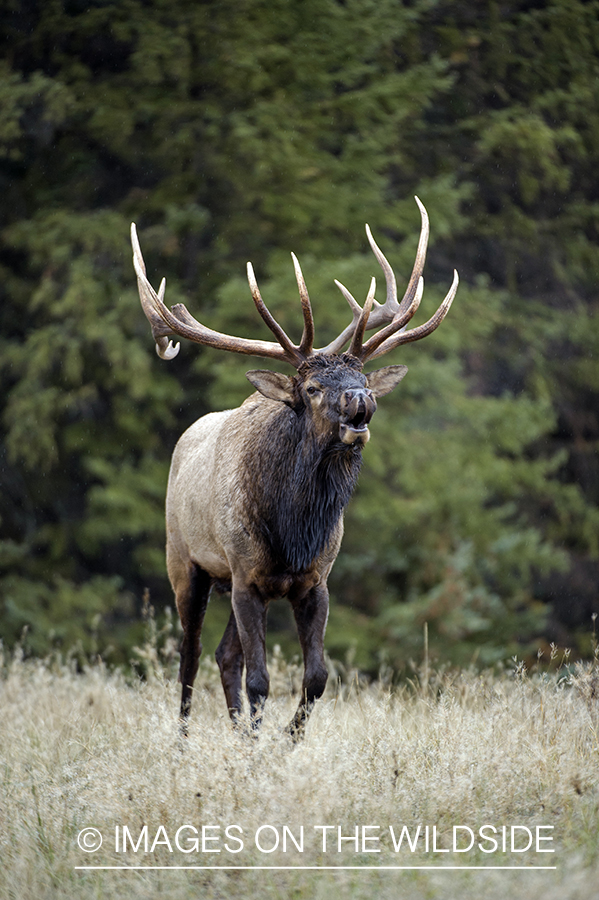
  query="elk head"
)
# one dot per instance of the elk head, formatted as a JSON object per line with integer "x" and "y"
{"x": 332, "y": 393}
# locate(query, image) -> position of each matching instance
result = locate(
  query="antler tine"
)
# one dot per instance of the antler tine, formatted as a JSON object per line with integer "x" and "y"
{"x": 152, "y": 303}
{"x": 336, "y": 346}
{"x": 415, "y": 334}
{"x": 356, "y": 345}
{"x": 282, "y": 337}
{"x": 171, "y": 350}
{"x": 307, "y": 341}
{"x": 420, "y": 258}
{"x": 179, "y": 321}
{"x": 391, "y": 305}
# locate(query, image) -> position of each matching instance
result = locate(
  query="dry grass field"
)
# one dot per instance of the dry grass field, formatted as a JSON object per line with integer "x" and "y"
{"x": 93, "y": 750}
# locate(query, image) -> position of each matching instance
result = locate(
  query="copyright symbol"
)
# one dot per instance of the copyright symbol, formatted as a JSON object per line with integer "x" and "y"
{"x": 89, "y": 840}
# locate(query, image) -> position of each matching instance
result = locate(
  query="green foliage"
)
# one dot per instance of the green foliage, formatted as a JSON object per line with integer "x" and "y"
{"x": 234, "y": 131}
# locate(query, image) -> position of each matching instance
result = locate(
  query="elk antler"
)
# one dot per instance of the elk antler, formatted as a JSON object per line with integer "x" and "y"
{"x": 391, "y": 314}
{"x": 178, "y": 320}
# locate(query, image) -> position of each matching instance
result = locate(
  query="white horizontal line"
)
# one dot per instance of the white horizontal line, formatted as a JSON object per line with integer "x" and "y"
{"x": 317, "y": 868}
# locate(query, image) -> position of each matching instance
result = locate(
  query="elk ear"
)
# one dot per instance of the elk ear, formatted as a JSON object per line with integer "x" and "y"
{"x": 382, "y": 381}
{"x": 273, "y": 385}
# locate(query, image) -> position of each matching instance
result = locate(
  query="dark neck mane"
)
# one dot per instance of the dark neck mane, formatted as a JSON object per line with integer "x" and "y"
{"x": 301, "y": 491}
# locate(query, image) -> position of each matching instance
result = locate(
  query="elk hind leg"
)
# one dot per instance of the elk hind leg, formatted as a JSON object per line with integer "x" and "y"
{"x": 249, "y": 608}
{"x": 229, "y": 656}
{"x": 192, "y": 599}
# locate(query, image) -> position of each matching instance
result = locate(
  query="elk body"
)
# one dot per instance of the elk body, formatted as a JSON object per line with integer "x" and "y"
{"x": 256, "y": 495}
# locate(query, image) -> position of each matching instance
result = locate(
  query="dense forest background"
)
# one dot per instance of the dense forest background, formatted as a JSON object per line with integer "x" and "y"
{"x": 242, "y": 130}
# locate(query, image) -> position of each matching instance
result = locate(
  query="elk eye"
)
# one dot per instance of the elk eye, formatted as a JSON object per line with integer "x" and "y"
{"x": 312, "y": 390}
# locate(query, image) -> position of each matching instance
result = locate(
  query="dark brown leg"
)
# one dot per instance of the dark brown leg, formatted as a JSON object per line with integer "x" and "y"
{"x": 191, "y": 604}
{"x": 250, "y": 616}
{"x": 229, "y": 656}
{"x": 311, "y": 613}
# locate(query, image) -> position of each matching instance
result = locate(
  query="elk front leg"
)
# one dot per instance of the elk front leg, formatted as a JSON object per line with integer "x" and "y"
{"x": 191, "y": 591}
{"x": 249, "y": 608}
{"x": 229, "y": 656}
{"x": 311, "y": 613}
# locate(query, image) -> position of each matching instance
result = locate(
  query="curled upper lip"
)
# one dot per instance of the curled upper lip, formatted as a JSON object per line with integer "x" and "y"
{"x": 357, "y": 408}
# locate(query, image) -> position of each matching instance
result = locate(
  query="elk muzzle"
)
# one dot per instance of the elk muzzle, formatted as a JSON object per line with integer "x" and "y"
{"x": 357, "y": 409}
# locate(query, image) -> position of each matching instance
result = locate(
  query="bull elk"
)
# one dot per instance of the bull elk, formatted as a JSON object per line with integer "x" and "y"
{"x": 256, "y": 495}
